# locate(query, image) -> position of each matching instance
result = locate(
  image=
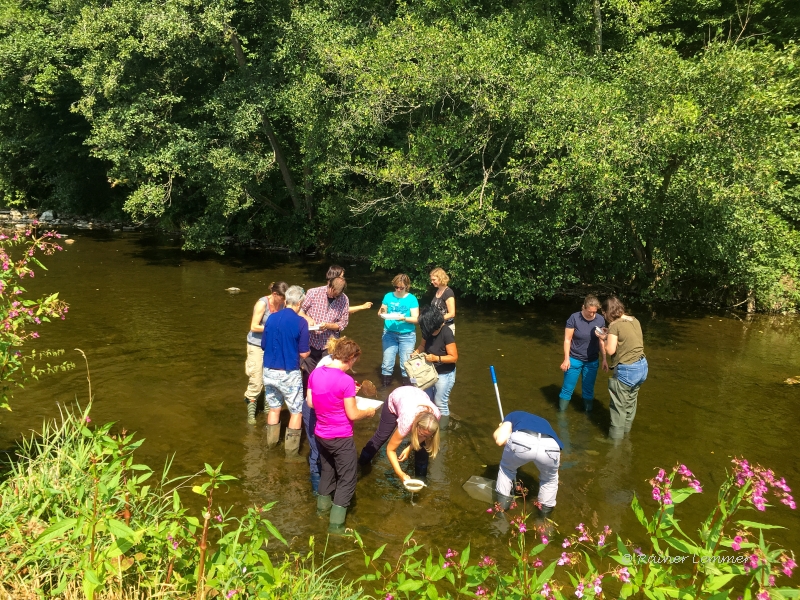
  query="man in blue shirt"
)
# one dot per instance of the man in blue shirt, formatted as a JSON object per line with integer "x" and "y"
{"x": 528, "y": 438}
{"x": 285, "y": 344}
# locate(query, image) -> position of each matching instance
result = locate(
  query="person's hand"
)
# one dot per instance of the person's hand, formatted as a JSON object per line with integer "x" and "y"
{"x": 404, "y": 454}
{"x": 405, "y": 477}
{"x": 311, "y": 321}
{"x": 367, "y": 305}
{"x": 358, "y": 388}
{"x": 605, "y": 365}
{"x": 565, "y": 365}
{"x": 431, "y": 358}
{"x": 603, "y": 335}
{"x": 370, "y": 413}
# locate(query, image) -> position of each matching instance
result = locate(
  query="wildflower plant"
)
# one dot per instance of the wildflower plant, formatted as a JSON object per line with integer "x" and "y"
{"x": 20, "y": 317}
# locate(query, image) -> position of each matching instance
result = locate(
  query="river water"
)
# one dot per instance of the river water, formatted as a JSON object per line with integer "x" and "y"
{"x": 166, "y": 348}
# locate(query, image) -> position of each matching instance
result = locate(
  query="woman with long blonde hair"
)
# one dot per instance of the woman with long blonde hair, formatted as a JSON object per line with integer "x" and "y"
{"x": 408, "y": 412}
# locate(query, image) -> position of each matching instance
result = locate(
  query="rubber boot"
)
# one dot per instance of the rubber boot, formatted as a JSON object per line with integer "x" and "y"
{"x": 291, "y": 445}
{"x": 543, "y": 520}
{"x": 616, "y": 433}
{"x": 336, "y": 523}
{"x": 504, "y": 501}
{"x": 588, "y": 404}
{"x": 315, "y": 482}
{"x": 406, "y": 381}
{"x": 563, "y": 404}
{"x": 386, "y": 381}
{"x": 444, "y": 422}
{"x": 251, "y": 412}
{"x": 273, "y": 435}
{"x": 324, "y": 504}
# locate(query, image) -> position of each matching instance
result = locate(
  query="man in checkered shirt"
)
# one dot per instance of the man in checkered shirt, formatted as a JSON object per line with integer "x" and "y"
{"x": 328, "y": 307}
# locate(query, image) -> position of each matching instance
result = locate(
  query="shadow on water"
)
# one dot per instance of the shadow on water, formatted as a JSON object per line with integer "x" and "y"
{"x": 166, "y": 347}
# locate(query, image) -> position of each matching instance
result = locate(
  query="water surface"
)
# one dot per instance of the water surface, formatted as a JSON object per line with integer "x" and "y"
{"x": 166, "y": 348}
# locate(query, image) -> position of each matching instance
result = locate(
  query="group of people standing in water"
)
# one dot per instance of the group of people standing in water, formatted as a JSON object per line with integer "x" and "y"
{"x": 298, "y": 357}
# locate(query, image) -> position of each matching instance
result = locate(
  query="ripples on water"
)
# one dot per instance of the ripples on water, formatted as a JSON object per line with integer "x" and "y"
{"x": 166, "y": 346}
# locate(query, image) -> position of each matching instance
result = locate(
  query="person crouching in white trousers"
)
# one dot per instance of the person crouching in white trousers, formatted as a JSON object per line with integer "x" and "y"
{"x": 528, "y": 438}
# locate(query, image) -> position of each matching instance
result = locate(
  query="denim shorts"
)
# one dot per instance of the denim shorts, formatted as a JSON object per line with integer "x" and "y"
{"x": 633, "y": 374}
{"x": 284, "y": 386}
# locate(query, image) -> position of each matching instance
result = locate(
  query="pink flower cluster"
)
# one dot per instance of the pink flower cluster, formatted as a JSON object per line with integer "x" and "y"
{"x": 585, "y": 536}
{"x": 662, "y": 483}
{"x": 622, "y": 574}
{"x": 763, "y": 480}
{"x": 486, "y": 561}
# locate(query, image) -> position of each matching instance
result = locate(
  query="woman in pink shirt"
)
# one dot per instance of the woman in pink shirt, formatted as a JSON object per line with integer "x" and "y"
{"x": 331, "y": 393}
{"x": 407, "y": 411}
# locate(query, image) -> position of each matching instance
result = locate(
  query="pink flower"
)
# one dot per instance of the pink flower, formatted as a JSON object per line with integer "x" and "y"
{"x": 788, "y": 565}
{"x": 695, "y": 485}
{"x": 762, "y": 595}
{"x": 88, "y": 420}
{"x": 564, "y": 560}
{"x": 538, "y": 563}
{"x": 479, "y": 591}
{"x": 597, "y": 583}
{"x": 661, "y": 475}
{"x": 667, "y": 498}
{"x": 218, "y": 518}
{"x": 450, "y": 553}
{"x": 447, "y": 565}
{"x": 388, "y": 597}
{"x": 489, "y": 510}
{"x": 231, "y": 594}
{"x": 545, "y": 539}
{"x": 737, "y": 542}
{"x": 579, "y": 590}
{"x": 657, "y": 494}
{"x": 522, "y": 528}
{"x": 486, "y": 561}
{"x": 753, "y": 561}
{"x": 601, "y": 540}
{"x": 623, "y": 575}
{"x": 566, "y": 543}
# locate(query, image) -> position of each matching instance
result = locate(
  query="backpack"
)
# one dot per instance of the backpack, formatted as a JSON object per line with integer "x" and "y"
{"x": 421, "y": 373}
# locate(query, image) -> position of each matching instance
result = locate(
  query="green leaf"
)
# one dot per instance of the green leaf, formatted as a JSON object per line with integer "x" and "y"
{"x": 755, "y": 525}
{"x": 120, "y": 529}
{"x": 376, "y": 555}
{"x": 431, "y": 592}
{"x": 412, "y": 585}
{"x": 639, "y": 512}
{"x": 56, "y": 530}
{"x": 464, "y": 557}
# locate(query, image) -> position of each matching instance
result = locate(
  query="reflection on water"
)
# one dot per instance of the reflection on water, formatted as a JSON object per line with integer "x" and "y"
{"x": 166, "y": 346}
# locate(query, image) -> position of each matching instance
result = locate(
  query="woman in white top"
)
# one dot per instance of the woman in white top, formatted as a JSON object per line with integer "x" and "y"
{"x": 407, "y": 412}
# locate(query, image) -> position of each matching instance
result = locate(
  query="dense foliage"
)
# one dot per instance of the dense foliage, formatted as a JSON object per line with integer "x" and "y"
{"x": 80, "y": 518}
{"x": 525, "y": 146}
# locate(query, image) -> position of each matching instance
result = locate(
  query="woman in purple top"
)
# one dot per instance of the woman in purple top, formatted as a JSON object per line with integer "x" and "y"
{"x": 331, "y": 393}
{"x": 582, "y": 349}
{"x": 407, "y": 411}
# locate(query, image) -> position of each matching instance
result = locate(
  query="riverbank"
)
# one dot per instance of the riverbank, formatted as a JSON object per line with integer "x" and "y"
{"x": 81, "y": 518}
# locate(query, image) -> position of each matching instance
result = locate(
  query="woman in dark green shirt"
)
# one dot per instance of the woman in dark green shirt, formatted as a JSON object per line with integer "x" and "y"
{"x": 625, "y": 351}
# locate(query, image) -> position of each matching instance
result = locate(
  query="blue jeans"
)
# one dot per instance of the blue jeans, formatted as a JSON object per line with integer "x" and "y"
{"x": 633, "y": 374}
{"x": 310, "y": 422}
{"x": 439, "y": 393}
{"x": 577, "y": 368}
{"x": 392, "y": 343}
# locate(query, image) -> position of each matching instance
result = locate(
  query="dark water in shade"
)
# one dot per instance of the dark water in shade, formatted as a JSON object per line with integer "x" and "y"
{"x": 166, "y": 347}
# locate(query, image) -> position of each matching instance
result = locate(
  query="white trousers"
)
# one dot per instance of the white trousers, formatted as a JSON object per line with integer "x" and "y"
{"x": 523, "y": 448}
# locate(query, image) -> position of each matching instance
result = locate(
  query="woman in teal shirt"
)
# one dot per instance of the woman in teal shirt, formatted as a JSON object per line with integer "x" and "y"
{"x": 400, "y": 311}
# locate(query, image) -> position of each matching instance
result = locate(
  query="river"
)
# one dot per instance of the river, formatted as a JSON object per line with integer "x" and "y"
{"x": 166, "y": 348}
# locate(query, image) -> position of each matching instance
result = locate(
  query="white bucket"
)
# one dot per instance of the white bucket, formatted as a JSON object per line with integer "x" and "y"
{"x": 414, "y": 485}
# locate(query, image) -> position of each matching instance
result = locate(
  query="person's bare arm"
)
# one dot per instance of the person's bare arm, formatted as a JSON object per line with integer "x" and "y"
{"x": 354, "y": 413}
{"x": 502, "y": 433}
{"x": 391, "y": 454}
{"x": 360, "y": 307}
{"x": 451, "y": 309}
{"x": 414, "y": 318}
{"x": 611, "y": 344}
{"x": 308, "y": 399}
{"x": 258, "y": 313}
{"x": 568, "y": 333}
{"x": 450, "y": 358}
